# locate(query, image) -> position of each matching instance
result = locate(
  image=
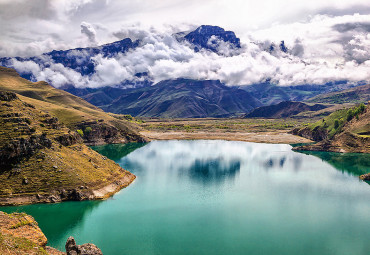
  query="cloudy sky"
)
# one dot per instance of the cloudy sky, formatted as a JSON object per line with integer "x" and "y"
{"x": 327, "y": 40}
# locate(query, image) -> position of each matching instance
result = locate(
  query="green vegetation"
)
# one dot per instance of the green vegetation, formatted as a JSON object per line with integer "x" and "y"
{"x": 22, "y": 223}
{"x": 128, "y": 117}
{"x": 80, "y": 132}
{"x": 19, "y": 245}
{"x": 221, "y": 125}
{"x": 88, "y": 130}
{"x": 335, "y": 121}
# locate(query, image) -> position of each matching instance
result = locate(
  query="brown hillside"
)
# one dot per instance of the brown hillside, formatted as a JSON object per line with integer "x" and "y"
{"x": 72, "y": 111}
{"x": 41, "y": 160}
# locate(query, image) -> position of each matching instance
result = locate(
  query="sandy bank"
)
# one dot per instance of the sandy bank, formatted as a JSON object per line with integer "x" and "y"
{"x": 260, "y": 137}
{"x": 78, "y": 194}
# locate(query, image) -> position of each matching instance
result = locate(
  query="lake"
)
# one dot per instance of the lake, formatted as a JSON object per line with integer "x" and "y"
{"x": 221, "y": 197}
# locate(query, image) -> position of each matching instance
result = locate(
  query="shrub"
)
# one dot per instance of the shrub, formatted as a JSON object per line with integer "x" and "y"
{"x": 362, "y": 107}
{"x": 336, "y": 123}
{"x": 88, "y": 130}
{"x": 80, "y": 132}
{"x": 128, "y": 117}
{"x": 350, "y": 114}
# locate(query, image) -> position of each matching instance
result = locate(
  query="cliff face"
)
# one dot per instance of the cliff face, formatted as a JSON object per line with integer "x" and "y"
{"x": 41, "y": 160}
{"x": 316, "y": 134}
{"x": 98, "y": 133}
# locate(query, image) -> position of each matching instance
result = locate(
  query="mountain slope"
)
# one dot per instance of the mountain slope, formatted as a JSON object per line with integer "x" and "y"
{"x": 360, "y": 94}
{"x": 346, "y": 130}
{"x": 209, "y": 37}
{"x": 72, "y": 111}
{"x": 283, "y": 110}
{"x": 184, "y": 98}
{"x": 269, "y": 94}
{"x": 41, "y": 160}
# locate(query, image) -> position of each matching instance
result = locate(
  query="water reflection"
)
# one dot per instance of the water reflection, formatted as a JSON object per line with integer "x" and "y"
{"x": 213, "y": 170}
{"x": 117, "y": 151}
{"x": 220, "y": 197}
{"x": 352, "y": 163}
{"x": 280, "y": 162}
{"x": 56, "y": 220}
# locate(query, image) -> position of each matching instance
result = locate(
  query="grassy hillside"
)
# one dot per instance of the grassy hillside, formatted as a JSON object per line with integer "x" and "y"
{"x": 41, "y": 160}
{"x": 346, "y": 130}
{"x": 72, "y": 111}
{"x": 359, "y": 94}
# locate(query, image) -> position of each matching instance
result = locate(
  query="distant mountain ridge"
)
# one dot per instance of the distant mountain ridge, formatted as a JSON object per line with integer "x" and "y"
{"x": 360, "y": 94}
{"x": 81, "y": 59}
{"x": 269, "y": 94}
{"x": 283, "y": 110}
{"x": 183, "y": 98}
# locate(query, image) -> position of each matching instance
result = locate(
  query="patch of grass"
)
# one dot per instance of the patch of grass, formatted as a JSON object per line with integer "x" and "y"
{"x": 22, "y": 223}
{"x": 221, "y": 125}
{"x": 17, "y": 245}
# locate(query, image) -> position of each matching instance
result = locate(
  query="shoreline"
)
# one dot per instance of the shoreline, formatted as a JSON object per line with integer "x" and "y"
{"x": 260, "y": 137}
{"x": 77, "y": 194}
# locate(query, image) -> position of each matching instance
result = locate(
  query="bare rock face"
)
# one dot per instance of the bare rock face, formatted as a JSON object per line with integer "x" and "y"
{"x": 86, "y": 249}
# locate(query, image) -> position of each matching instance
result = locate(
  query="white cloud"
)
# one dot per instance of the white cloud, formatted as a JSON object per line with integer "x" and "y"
{"x": 321, "y": 48}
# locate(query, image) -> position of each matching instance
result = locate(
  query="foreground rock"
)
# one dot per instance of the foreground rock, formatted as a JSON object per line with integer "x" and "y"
{"x": 86, "y": 249}
{"x": 42, "y": 161}
{"x": 365, "y": 177}
{"x": 20, "y": 234}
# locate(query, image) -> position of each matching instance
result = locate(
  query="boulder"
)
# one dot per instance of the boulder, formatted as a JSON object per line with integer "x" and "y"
{"x": 86, "y": 249}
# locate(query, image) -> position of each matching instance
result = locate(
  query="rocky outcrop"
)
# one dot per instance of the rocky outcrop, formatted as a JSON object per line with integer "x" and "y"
{"x": 85, "y": 249}
{"x": 365, "y": 177}
{"x": 7, "y": 96}
{"x": 97, "y": 133}
{"x": 69, "y": 139}
{"x": 17, "y": 149}
{"x": 20, "y": 234}
{"x": 22, "y": 225}
{"x": 316, "y": 134}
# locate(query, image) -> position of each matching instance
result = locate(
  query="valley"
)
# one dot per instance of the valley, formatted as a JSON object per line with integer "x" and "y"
{"x": 249, "y": 130}
{"x": 248, "y": 142}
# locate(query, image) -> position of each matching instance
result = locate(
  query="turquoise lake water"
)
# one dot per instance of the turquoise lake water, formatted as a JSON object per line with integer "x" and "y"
{"x": 221, "y": 197}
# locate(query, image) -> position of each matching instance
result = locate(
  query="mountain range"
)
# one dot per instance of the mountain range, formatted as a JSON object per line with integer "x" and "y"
{"x": 174, "y": 97}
